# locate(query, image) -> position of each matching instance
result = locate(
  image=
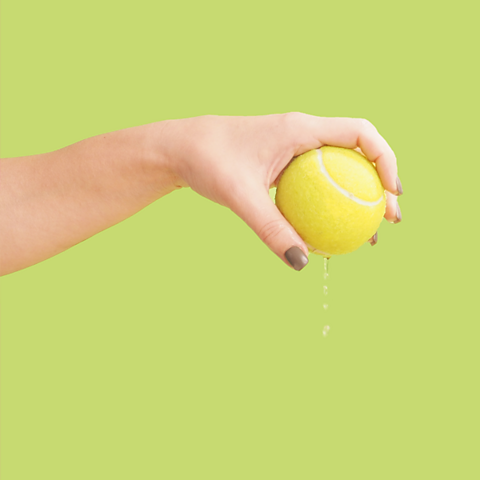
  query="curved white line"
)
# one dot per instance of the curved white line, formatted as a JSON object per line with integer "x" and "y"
{"x": 347, "y": 194}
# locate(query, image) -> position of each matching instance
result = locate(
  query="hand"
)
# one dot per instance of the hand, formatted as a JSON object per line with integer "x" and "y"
{"x": 234, "y": 161}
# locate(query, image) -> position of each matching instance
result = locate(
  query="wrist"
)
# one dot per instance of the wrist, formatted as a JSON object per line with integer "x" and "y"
{"x": 158, "y": 142}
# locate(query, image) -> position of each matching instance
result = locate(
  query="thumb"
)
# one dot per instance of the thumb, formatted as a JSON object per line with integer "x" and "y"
{"x": 256, "y": 209}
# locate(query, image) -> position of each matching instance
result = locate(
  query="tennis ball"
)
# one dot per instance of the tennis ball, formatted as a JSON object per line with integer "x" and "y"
{"x": 334, "y": 199}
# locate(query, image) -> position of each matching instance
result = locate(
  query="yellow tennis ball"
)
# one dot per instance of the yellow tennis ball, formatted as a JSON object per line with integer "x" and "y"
{"x": 334, "y": 199}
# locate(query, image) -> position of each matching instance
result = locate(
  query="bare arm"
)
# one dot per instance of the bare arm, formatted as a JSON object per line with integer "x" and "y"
{"x": 52, "y": 201}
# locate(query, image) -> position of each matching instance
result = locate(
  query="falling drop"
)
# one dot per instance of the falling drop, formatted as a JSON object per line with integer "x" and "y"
{"x": 325, "y": 276}
{"x": 326, "y": 328}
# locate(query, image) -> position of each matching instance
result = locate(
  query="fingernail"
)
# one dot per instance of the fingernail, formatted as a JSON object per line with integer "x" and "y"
{"x": 296, "y": 258}
{"x": 374, "y": 239}
{"x": 399, "y": 187}
{"x": 399, "y": 215}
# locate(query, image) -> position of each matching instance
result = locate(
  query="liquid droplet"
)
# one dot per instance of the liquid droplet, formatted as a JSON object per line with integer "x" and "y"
{"x": 325, "y": 290}
{"x": 325, "y": 306}
{"x": 326, "y": 329}
{"x": 325, "y": 268}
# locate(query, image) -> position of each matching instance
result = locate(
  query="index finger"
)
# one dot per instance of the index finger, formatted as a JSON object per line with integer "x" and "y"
{"x": 352, "y": 133}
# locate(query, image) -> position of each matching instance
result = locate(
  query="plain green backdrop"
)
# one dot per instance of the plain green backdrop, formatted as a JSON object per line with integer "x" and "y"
{"x": 134, "y": 356}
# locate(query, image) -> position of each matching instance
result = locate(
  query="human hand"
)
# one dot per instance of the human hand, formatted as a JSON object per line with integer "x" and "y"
{"x": 234, "y": 161}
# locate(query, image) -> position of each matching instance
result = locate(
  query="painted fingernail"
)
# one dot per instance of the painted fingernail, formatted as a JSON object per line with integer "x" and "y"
{"x": 399, "y": 187}
{"x": 296, "y": 258}
{"x": 373, "y": 241}
{"x": 399, "y": 215}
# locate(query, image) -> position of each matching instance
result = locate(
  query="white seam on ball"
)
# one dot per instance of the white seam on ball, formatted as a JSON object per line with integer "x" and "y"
{"x": 344, "y": 192}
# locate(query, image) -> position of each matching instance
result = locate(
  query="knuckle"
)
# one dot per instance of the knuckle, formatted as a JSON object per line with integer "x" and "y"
{"x": 293, "y": 124}
{"x": 366, "y": 124}
{"x": 272, "y": 230}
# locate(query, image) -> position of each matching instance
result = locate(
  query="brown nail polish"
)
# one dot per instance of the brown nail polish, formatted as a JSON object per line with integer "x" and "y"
{"x": 399, "y": 187}
{"x": 374, "y": 239}
{"x": 296, "y": 258}
{"x": 399, "y": 215}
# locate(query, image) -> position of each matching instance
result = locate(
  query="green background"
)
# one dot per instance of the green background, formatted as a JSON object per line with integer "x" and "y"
{"x": 134, "y": 356}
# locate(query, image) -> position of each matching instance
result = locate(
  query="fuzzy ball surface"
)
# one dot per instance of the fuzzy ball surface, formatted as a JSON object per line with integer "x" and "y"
{"x": 334, "y": 199}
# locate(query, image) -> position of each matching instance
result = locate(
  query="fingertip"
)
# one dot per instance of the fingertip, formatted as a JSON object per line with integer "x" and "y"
{"x": 395, "y": 187}
{"x": 391, "y": 207}
{"x": 388, "y": 175}
{"x": 296, "y": 258}
{"x": 399, "y": 187}
{"x": 398, "y": 218}
{"x": 393, "y": 214}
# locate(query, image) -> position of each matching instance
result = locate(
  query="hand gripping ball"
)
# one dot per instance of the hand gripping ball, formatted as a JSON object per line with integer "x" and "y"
{"x": 334, "y": 199}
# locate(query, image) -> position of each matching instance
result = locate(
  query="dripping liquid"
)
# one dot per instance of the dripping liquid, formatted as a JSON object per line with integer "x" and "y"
{"x": 326, "y": 328}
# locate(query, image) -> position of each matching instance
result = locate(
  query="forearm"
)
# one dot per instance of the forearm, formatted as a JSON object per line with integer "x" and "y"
{"x": 52, "y": 201}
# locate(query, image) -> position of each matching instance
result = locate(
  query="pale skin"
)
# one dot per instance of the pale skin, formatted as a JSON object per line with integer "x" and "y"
{"x": 53, "y": 201}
